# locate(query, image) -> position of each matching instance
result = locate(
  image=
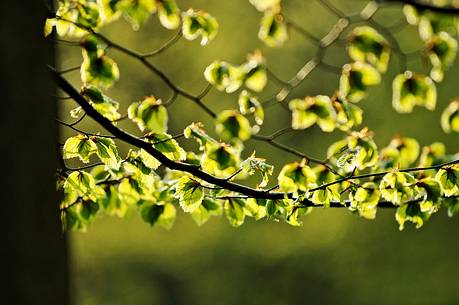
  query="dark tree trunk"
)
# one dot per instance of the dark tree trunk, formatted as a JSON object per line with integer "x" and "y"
{"x": 34, "y": 249}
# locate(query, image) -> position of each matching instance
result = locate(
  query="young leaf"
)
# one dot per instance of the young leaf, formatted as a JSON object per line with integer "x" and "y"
{"x": 220, "y": 160}
{"x": 97, "y": 69}
{"x": 197, "y": 132}
{"x": 311, "y": 110}
{"x": 224, "y": 76}
{"x": 398, "y": 187}
{"x": 107, "y": 152}
{"x": 357, "y": 151}
{"x": 84, "y": 185}
{"x": 367, "y": 45}
{"x": 167, "y": 145}
{"x": 441, "y": 50}
{"x": 325, "y": 195}
{"x": 273, "y": 30}
{"x": 162, "y": 215}
{"x": 135, "y": 12}
{"x": 450, "y": 117}
{"x": 102, "y": 72}
{"x": 355, "y": 80}
{"x": 168, "y": 13}
{"x": 255, "y": 208}
{"x": 190, "y": 193}
{"x": 365, "y": 200}
{"x": 231, "y": 124}
{"x": 255, "y": 72}
{"x": 348, "y": 115}
{"x": 432, "y": 195}
{"x": 253, "y": 164}
{"x": 401, "y": 152}
{"x": 102, "y": 103}
{"x": 411, "y": 212}
{"x": 199, "y": 23}
{"x": 112, "y": 203}
{"x": 234, "y": 210}
{"x": 432, "y": 154}
{"x": 207, "y": 209}
{"x": 149, "y": 114}
{"x": 249, "y": 104}
{"x": 409, "y": 89}
{"x": 79, "y": 146}
{"x": 296, "y": 177}
{"x": 448, "y": 177}
{"x": 452, "y": 204}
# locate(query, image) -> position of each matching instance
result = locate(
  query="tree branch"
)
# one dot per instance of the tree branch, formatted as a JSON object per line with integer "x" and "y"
{"x": 426, "y": 6}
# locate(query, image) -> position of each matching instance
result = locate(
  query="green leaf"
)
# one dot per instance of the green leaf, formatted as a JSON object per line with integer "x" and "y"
{"x": 409, "y": 90}
{"x": 357, "y": 151}
{"x": 294, "y": 212}
{"x": 107, "y": 152}
{"x": 432, "y": 195}
{"x": 398, "y": 187}
{"x": 168, "y": 13}
{"x": 255, "y": 72}
{"x": 448, "y": 177}
{"x": 220, "y": 160}
{"x": 296, "y": 177}
{"x": 97, "y": 69}
{"x": 190, "y": 193}
{"x": 148, "y": 159}
{"x": 325, "y": 195}
{"x": 432, "y": 154}
{"x": 112, "y": 203}
{"x": 224, "y": 76}
{"x": 102, "y": 71}
{"x": 311, "y": 110}
{"x": 162, "y": 215}
{"x": 135, "y": 12}
{"x": 273, "y": 30}
{"x": 249, "y": 104}
{"x": 79, "y": 146}
{"x": 102, "y": 103}
{"x": 130, "y": 191}
{"x": 355, "y": 80}
{"x": 199, "y": 23}
{"x": 441, "y": 50}
{"x": 411, "y": 212}
{"x": 401, "y": 152}
{"x": 84, "y": 186}
{"x": 234, "y": 211}
{"x": 149, "y": 114}
{"x": 167, "y": 145}
{"x": 348, "y": 115}
{"x": 450, "y": 117}
{"x": 79, "y": 215}
{"x": 255, "y": 208}
{"x": 85, "y": 14}
{"x": 230, "y": 125}
{"x": 253, "y": 164}
{"x": 367, "y": 45}
{"x": 365, "y": 200}
{"x": 71, "y": 220}
{"x": 452, "y": 204}
{"x": 207, "y": 209}
{"x": 197, "y": 132}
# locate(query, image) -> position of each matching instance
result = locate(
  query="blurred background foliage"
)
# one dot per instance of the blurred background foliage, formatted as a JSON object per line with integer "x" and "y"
{"x": 335, "y": 257}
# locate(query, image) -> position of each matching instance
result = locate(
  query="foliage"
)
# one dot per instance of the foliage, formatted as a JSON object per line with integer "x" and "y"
{"x": 416, "y": 181}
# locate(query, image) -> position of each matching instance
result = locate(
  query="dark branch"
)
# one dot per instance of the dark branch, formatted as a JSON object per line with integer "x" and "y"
{"x": 426, "y": 6}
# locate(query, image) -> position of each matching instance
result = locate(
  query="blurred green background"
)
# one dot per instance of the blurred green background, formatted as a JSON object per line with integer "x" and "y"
{"x": 335, "y": 257}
